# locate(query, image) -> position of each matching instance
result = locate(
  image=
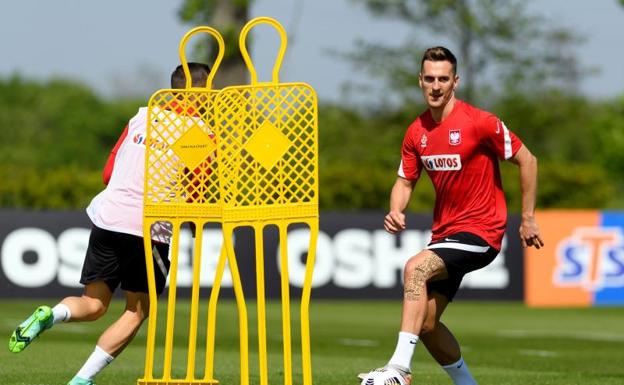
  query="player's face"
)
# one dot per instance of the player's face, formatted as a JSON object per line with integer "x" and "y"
{"x": 438, "y": 82}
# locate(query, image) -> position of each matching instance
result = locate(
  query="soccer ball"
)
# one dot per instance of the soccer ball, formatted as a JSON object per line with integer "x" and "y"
{"x": 384, "y": 376}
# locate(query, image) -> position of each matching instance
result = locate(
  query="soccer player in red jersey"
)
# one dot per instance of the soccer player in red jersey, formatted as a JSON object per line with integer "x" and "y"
{"x": 459, "y": 146}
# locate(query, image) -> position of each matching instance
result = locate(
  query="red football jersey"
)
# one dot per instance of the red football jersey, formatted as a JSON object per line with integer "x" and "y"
{"x": 460, "y": 155}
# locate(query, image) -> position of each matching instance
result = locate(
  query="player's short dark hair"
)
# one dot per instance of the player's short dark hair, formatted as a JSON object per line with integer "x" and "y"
{"x": 199, "y": 75}
{"x": 439, "y": 54}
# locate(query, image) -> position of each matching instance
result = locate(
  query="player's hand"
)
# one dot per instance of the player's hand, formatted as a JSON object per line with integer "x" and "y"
{"x": 530, "y": 234}
{"x": 394, "y": 222}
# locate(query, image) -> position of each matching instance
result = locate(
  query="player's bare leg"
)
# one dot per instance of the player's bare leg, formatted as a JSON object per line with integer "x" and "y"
{"x": 419, "y": 269}
{"x": 115, "y": 338}
{"x": 436, "y": 337}
{"x": 121, "y": 332}
{"x": 441, "y": 343}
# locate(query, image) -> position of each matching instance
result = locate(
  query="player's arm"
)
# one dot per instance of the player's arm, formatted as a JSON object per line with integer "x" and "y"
{"x": 529, "y": 231}
{"x": 394, "y": 221}
{"x": 110, "y": 162}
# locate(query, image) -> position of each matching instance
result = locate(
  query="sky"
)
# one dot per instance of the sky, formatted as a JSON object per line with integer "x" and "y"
{"x": 128, "y": 47}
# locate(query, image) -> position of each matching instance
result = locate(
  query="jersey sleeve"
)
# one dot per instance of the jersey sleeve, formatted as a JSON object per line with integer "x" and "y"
{"x": 495, "y": 135}
{"x": 110, "y": 162}
{"x": 410, "y": 166}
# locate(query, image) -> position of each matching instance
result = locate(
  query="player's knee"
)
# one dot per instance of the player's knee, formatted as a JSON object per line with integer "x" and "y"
{"x": 95, "y": 308}
{"x": 415, "y": 269}
{"x": 411, "y": 265}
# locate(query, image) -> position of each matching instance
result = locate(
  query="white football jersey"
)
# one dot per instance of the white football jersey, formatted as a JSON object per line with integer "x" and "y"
{"x": 119, "y": 207}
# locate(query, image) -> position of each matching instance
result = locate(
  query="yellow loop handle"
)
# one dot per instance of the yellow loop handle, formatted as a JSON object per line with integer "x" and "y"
{"x": 217, "y": 62}
{"x": 242, "y": 42}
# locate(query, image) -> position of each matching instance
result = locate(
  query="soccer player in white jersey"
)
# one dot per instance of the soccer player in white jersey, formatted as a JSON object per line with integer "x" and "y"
{"x": 459, "y": 147}
{"x": 115, "y": 255}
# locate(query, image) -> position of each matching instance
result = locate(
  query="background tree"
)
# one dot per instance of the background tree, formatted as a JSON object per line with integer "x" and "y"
{"x": 228, "y": 17}
{"x": 498, "y": 39}
{"x": 56, "y": 138}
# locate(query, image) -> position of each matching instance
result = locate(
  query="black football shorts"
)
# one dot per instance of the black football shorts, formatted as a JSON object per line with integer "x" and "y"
{"x": 119, "y": 258}
{"x": 462, "y": 253}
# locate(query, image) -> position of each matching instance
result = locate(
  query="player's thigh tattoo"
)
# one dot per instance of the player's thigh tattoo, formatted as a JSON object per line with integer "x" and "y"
{"x": 416, "y": 282}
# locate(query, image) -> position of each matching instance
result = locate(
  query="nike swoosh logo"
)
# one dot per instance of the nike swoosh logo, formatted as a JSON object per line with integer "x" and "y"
{"x": 413, "y": 342}
{"x": 450, "y": 240}
{"x": 460, "y": 365}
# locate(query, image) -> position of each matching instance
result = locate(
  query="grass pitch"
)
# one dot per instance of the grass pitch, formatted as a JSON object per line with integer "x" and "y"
{"x": 503, "y": 344}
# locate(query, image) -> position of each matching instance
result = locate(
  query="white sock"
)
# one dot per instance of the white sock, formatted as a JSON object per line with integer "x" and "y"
{"x": 95, "y": 363}
{"x": 61, "y": 313}
{"x": 404, "y": 350}
{"x": 459, "y": 373}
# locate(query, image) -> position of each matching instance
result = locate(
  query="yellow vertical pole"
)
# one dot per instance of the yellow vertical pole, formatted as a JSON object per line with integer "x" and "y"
{"x": 228, "y": 233}
{"x": 261, "y": 303}
{"x": 153, "y": 309}
{"x": 285, "y": 289}
{"x": 305, "y": 303}
{"x": 192, "y": 343}
{"x": 171, "y": 302}
{"x": 212, "y": 316}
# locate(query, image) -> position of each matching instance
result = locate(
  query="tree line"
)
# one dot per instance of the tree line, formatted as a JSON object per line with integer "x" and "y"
{"x": 58, "y": 134}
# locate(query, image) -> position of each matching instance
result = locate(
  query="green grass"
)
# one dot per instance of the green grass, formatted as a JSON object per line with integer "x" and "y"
{"x": 504, "y": 344}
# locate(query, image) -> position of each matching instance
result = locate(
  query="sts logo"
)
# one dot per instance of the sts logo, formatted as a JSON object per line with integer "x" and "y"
{"x": 591, "y": 258}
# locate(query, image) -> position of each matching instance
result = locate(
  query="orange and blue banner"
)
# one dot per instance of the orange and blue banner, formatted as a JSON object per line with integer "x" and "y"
{"x": 582, "y": 263}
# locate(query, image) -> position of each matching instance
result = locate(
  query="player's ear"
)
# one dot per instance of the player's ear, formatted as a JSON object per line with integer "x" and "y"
{"x": 420, "y": 79}
{"x": 456, "y": 82}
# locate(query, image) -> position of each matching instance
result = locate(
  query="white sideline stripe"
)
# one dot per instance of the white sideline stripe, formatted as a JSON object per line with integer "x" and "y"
{"x": 459, "y": 246}
{"x": 575, "y": 335}
{"x": 538, "y": 353}
{"x": 354, "y": 342}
